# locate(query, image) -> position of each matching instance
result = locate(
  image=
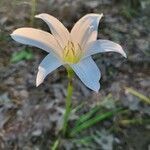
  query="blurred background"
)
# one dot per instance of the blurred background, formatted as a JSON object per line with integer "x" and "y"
{"x": 30, "y": 117}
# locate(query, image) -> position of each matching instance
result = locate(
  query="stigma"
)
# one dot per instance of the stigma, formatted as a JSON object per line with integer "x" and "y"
{"x": 72, "y": 53}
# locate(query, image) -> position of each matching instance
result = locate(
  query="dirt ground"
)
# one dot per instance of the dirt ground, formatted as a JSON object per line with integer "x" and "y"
{"x": 30, "y": 117}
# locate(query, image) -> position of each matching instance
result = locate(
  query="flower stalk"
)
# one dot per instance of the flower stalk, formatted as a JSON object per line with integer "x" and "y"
{"x": 67, "y": 109}
{"x": 68, "y": 100}
{"x": 33, "y": 10}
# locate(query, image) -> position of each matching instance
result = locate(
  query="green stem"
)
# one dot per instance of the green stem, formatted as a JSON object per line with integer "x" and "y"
{"x": 33, "y": 10}
{"x": 134, "y": 121}
{"x": 68, "y": 108}
{"x": 68, "y": 101}
{"x": 139, "y": 95}
{"x": 55, "y": 145}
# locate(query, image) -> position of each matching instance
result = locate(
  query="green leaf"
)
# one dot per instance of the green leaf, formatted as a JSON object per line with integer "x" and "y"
{"x": 134, "y": 121}
{"x": 108, "y": 103}
{"x": 92, "y": 121}
{"x": 24, "y": 54}
{"x": 55, "y": 145}
{"x": 84, "y": 140}
{"x": 139, "y": 95}
{"x": 87, "y": 116}
{"x": 74, "y": 110}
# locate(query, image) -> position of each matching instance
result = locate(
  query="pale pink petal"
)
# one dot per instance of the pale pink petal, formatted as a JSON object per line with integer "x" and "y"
{"x": 49, "y": 64}
{"x": 37, "y": 38}
{"x": 101, "y": 46}
{"x": 59, "y": 31}
{"x": 88, "y": 72}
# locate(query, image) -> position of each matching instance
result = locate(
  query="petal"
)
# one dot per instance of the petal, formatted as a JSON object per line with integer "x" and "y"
{"x": 37, "y": 38}
{"x": 100, "y": 46}
{"x": 82, "y": 27}
{"x": 88, "y": 72}
{"x": 59, "y": 31}
{"x": 49, "y": 63}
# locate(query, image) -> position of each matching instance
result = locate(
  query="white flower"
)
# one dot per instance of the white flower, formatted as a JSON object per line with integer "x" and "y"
{"x": 74, "y": 48}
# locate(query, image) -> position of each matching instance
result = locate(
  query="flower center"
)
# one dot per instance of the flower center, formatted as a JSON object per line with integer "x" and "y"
{"x": 72, "y": 53}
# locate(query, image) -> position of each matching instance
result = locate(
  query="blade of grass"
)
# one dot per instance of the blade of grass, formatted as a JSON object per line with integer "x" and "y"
{"x": 91, "y": 122}
{"x": 139, "y": 95}
{"x": 87, "y": 116}
{"x": 84, "y": 140}
{"x": 55, "y": 145}
{"x": 134, "y": 121}
{"x": 77, "y": 108}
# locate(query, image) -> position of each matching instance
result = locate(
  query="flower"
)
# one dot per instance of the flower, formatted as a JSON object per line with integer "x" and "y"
{"x": 73, "y": 49}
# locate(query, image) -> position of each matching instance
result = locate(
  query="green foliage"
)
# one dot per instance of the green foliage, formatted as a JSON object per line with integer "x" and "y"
{"x": 3, "y": 37}
{"x": 24, "y": 54}
{"x": 104, "y": 110}
{"x": 134, "y": 121}
{"x": 91, "y": 118}
{"x": 33, "y": 11}
{"x": 128, "y": 12}
{"x": 102, "y": 137}
{"x": 77, "y": 108}
{"x": 141, "y": 97}
{"x": 87, "y": 116}
{"x": 134, "y": 4}
{"x": 84, "y": 141}
{"x": 129, "y": 8}
{"x": 55, "y": 145}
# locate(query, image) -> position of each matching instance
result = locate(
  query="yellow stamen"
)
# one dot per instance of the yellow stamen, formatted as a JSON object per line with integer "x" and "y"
{"x": 72, "y": 53}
